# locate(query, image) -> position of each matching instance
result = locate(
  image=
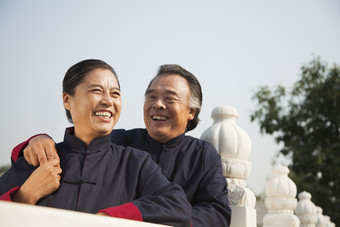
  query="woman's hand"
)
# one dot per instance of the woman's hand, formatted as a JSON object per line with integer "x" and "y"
{"x": 42, "y": 182}
{"x": 39, "y": 150}
{"x": 103, "y": 214}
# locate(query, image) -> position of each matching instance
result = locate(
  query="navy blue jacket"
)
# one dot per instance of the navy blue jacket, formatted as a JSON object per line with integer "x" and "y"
{"x": 103, "y": 176}
{"x": 192, "y": 163}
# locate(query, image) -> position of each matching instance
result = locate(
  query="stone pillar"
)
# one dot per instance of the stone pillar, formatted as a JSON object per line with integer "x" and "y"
{"x": 234, "y": 146}
{"x": 329, "y": 223}
{"x": 280, "y": 200}
{"x": 306, "y": 210}
{"x": 322, "y": 221}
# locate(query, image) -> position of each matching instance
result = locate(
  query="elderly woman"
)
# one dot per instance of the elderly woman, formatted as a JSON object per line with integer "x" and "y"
{"x": 93, "y": 175}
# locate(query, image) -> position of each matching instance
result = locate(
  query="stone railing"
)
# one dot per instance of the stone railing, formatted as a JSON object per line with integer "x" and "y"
{"x": 17, "y": 214}
{"x": 282, "y": 208}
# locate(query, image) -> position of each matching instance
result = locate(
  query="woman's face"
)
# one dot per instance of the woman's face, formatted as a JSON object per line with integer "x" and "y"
{"x": 95, "y": 106}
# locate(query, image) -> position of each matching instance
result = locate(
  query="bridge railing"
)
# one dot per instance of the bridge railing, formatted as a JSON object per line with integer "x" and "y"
{"x": 17, "y": 214}
{"x": 282, "y": 208}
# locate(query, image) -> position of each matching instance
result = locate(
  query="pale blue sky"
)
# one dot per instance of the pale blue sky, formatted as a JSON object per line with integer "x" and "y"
{"x": 231, "y": 46}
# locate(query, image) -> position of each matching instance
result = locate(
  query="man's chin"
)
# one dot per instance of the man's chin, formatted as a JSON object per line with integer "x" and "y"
{"x": 156, "y": 132}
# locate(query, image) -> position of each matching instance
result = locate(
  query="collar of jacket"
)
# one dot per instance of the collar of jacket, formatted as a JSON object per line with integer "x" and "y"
{"x": 171, "y": 143}
{"x": 76, "y": 145}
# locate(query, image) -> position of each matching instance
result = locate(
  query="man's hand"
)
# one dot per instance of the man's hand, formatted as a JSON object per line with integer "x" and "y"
{"x": 39, "y": 150}
{"x": 42, "y": 182}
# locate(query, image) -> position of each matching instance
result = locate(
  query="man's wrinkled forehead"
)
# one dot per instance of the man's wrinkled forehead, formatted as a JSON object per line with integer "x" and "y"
{"x": 153, "y": 91}
{"x": 170, "y": 87}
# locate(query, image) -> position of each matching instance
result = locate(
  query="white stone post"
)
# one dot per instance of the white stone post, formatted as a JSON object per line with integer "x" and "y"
{"x": 329, "y": 223}
{"x": 280, "y": 200}
{"x": 322, "y": 221}
{"x": 306, "y": 210}
{"x": 234, "y": 146}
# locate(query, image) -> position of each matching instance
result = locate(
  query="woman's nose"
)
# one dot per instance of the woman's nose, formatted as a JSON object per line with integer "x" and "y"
{"x": 107, "y": 100}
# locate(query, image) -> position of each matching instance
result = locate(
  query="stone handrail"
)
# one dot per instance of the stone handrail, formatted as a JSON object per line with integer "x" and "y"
{"x": 234, "y": 146}
{"x": 17, "y": 214}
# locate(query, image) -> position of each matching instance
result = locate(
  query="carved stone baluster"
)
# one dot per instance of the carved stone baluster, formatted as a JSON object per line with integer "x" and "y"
{"x": 322, "y": 221}
{"x": 280, "y": 200}
{"x": 306, "y": 210}
{"x": 234, "y": 146}
{"x": 329, "y": 222}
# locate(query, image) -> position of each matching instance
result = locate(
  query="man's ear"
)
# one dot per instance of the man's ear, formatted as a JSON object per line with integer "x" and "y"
{"x": 192, "y": 113}
{"x": 66, "y": 100}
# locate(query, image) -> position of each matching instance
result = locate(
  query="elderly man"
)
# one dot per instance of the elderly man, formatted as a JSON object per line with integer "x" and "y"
{"x": 172, "y": 104}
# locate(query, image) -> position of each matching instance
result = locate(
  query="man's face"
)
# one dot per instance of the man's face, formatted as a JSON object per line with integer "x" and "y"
{"x": 166, "y": 107}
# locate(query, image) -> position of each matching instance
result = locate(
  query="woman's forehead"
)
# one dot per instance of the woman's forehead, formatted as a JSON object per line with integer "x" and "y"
{"x": 101, "y": 76}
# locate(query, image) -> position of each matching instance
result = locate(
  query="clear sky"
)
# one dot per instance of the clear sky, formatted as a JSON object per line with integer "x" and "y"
{"x": 233, "y": 47}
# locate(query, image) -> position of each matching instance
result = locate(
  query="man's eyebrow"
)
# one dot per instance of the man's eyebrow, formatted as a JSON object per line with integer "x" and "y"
{"x": 169, "y": 92}
{"x": 149, "y": 91}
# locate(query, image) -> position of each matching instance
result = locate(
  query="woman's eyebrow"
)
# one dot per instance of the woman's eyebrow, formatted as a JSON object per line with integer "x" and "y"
{"x": 94, "y": 85}
{"x": 115, "y": 89}
{"x": 101, "y": 86}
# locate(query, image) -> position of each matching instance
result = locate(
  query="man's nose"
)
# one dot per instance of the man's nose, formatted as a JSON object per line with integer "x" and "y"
{"x": 159, "y": 104}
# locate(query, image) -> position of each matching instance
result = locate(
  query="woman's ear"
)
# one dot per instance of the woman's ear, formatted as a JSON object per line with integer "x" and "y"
{"x": 66, "y": 100}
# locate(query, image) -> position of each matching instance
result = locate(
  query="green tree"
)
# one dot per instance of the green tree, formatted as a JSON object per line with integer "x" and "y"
{"x": 306, "y": 122}
{"x": 3, "y": 169}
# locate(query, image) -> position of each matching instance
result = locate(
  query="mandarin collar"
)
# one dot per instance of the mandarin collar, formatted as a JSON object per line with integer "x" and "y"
{"x": 76, "y": 145}
{"x": 171, "y": 143}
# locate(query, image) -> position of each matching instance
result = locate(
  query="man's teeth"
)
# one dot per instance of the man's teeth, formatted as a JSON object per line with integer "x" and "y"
{"x": 103, "y": 114}
{"x": 159, "y": 118}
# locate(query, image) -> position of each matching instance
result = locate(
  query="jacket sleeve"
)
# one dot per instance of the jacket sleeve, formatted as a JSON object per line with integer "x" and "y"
{"x": 17, "y": 151}
{"x": 127, "y": 211}
{"x": 8, "y": 195}
{"x": 157, "y": 200}
{"x": 14, "y": 177}
{"x": 212, "y": 207}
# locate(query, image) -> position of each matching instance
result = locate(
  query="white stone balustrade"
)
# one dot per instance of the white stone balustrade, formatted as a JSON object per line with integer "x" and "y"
{"x": 280, "y": 200}
{"x": 234, "y": 146}
{"x": 322, "y": 221}
{"x": 306, "y": 210}
{"x": 17, "y": 214}
{"x": 329, "y": 223}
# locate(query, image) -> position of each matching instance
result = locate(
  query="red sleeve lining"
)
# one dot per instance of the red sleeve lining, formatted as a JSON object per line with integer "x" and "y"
{"x": 17, "y": 151}
{"x": 127, "y": 211}
{"x": 7, "y": 196}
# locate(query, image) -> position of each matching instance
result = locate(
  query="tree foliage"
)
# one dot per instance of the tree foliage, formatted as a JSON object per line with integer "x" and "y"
{"x": 306, "y": 121}
{"x": 3, "y": 169}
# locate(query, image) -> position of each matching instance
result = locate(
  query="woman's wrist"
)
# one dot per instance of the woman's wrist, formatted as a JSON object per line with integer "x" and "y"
{"x": 24, "y": 196}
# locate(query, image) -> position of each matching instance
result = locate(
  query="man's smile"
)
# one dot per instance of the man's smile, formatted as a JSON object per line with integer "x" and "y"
{"x": 159, "y": 118}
